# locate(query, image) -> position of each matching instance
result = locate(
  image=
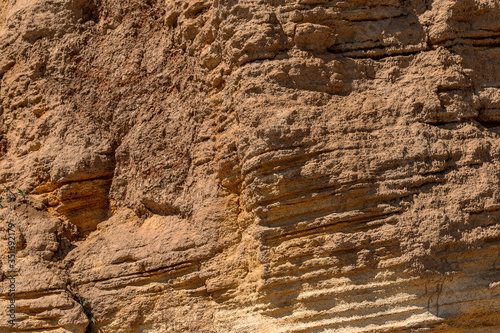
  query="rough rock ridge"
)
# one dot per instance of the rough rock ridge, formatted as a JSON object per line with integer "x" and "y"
{"x": 250, "y": 166}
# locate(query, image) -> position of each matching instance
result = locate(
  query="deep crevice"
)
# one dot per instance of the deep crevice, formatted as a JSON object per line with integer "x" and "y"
{"x": 349, "y": 53}
{"x": 489, "y": 124}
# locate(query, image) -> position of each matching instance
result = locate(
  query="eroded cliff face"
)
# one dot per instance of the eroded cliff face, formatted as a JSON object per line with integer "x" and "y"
{"x": 251, "y": 166}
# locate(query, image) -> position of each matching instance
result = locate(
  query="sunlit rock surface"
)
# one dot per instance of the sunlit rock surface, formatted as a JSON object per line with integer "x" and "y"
{"x": 251, "y": 166}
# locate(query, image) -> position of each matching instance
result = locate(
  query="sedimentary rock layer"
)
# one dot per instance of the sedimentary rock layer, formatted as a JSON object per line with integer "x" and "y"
{"x": 250, "y": 166}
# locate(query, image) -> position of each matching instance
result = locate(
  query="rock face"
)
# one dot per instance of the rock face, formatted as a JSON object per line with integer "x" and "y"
{"x": 250, "y": 166}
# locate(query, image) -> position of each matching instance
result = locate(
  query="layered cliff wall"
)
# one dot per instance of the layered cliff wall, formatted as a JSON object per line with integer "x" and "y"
{"x": 250, "y": 166}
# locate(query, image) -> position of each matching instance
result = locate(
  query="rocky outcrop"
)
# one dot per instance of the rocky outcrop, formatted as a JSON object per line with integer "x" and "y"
{"x": 250, "y": 166}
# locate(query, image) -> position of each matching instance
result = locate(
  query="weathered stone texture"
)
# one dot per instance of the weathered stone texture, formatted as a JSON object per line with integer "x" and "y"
{"x": 251, "y": 166}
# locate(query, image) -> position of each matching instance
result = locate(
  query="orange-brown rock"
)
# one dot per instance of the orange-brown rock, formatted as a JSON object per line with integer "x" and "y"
{"x": 242, "y": 166}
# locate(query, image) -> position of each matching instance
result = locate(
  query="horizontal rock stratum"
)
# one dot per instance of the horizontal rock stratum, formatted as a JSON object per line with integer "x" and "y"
{"x": 250, "y": 166}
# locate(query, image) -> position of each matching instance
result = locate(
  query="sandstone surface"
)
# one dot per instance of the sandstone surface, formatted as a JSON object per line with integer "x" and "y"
{"x": 246, "y": 166}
